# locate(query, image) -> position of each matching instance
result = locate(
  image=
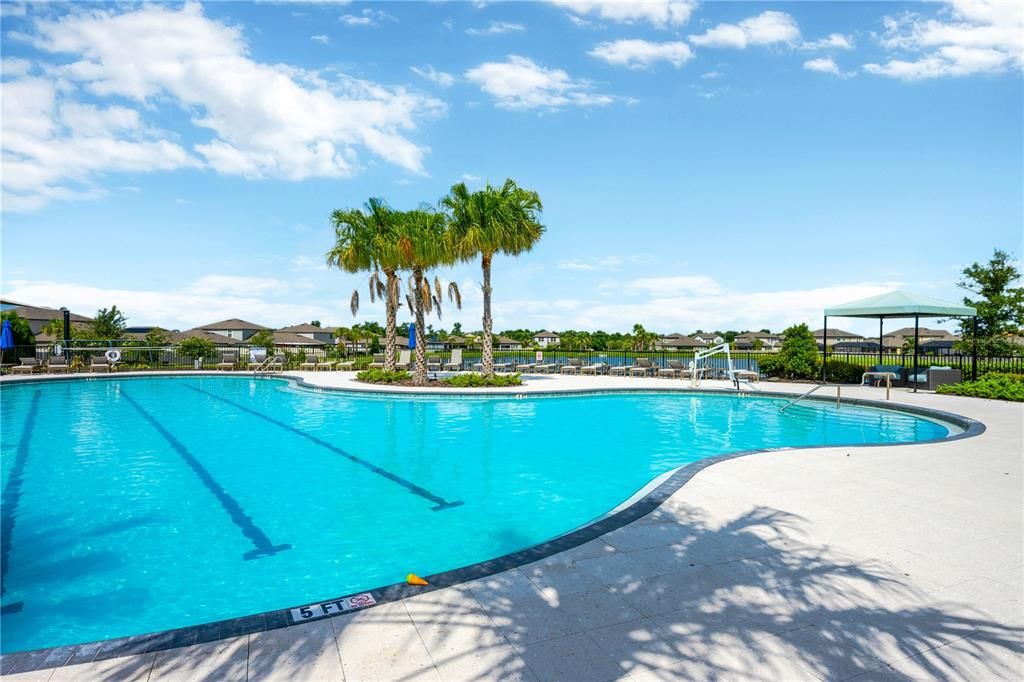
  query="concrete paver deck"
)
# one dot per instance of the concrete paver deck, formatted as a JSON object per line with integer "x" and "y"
{"x": 876, "y": 563}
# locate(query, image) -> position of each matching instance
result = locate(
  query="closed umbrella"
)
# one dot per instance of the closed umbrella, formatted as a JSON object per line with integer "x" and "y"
{"x": 6, "y": 338}
{"x": 412, "y": 336}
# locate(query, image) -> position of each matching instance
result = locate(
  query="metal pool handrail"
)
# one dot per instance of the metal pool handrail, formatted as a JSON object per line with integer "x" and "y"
{"x": 794, "y": 401}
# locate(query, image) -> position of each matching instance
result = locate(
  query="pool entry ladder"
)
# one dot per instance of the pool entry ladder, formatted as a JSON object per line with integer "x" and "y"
{"x": 698, "y": 367}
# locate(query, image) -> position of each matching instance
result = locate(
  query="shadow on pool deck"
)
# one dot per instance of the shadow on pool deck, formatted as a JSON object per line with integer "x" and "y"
{"x": 675, "y": 596}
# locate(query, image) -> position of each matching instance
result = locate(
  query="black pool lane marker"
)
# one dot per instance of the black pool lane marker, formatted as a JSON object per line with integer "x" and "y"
{"x": 439, "y": 502}
{"x": 264, "y": 547}
{"x": 11, "y": 496}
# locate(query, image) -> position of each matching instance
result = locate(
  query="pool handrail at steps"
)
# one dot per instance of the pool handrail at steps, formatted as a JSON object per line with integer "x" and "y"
{"x": 794, "y": 401}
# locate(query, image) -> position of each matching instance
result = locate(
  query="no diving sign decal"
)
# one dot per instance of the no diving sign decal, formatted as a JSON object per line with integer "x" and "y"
{"x": 331, "y": 608}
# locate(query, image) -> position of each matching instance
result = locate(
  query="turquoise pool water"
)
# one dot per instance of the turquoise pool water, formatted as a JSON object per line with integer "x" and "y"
{"x": 139, "y": 505}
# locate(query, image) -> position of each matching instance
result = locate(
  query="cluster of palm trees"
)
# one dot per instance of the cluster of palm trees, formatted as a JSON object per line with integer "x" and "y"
{"x": 388, "y": 243}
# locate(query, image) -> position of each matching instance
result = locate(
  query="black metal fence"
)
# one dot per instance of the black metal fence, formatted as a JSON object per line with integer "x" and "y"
{"x": 137, "y": 357}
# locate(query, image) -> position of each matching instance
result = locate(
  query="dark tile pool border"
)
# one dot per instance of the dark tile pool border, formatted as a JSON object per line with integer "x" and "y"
{"x": 39, "y": 659}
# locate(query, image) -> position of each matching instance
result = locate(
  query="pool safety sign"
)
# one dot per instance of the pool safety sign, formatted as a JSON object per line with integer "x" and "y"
{"x": 332, "y": 608}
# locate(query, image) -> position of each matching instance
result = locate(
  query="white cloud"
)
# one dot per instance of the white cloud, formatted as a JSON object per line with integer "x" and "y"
{"x": 674, "y": 285}
{"x": 660, "y": 13}
{"x": 259, "y": 120}
{"x": 14, "y": 66}
{"x": 309, "y": 264}
{"x": 521, "y": 83}
{"x": 368, "y": 17}
{"x": 833, "y": 41}
{"x": 764, "y": 29}
{"x": 969, "y": 37}
{"x": 321, "y": 38}
{"x": 608, "y": 262}
{"x": 712, "y": 74}
{"x": 823, "y": 65}
{"x": 641, "y": 54}
{"x": 575, "y": 265}
{"x": 445, "y": 80}
{"x": 496, "y": 28}
{"x": 469, "y": 177}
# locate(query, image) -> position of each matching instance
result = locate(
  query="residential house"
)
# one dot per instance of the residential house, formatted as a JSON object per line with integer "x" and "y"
{"x": 546, "y": 338}
{"x": 709, "y": 339}
{"x": 176, "y": 337}
{"x": 239, "y": 330}
{"x": 505, "y": 343}
{"x": 285, "y": 339}
{"x": 895, "y": 340}
{"x": 768, "y": 341}
{"x": 39, "y": 316}
{"x": 862, "y": 346}
{"x": 678, "y": 342}
{"x": 358, "y": 346}
{"x": 310, "y": 331}
{"x": 835, "y": 336}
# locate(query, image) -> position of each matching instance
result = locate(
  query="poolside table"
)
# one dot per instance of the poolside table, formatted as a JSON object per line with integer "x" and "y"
{"x": 877, "y": 377}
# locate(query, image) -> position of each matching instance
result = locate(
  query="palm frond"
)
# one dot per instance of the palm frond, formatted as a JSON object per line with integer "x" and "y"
{"x": 454, "y": 294}
{"x": 354, "y": 303}
{"x": 408, "y": 300}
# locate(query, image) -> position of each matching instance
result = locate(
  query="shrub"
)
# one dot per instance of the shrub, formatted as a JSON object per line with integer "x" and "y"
{"x": 994, "y": 385}
{"x": 473, "y": 380}
{"x": 196, "y": 347}
{"x": 382, "y": 376}
{"x": 841, "y": 372}
{"x": 797, "y": 358}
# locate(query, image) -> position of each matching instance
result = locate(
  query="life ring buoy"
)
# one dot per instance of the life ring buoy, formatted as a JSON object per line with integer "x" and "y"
{"x": 113, "y": 355}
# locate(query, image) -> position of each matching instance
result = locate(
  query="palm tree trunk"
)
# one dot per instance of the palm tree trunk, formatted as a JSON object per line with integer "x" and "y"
{"x": 419, "y": 377}
{"x": 488, "y": 343}
{"x": 391, "y": 306}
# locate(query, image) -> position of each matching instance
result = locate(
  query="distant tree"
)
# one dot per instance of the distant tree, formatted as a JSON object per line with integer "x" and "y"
{"x": 196, "y": 347}
{"x": 109, "y": 324}
{"x": 374, "y": 344}
{"x": 766, "y": 331}
{"x": 457, "y": 329}
{"x": 156, "y": 337}
{"x": 369, "y": 329}
{"x": 1000, "y": 305}
{"x": 730, "y": 336}
{"x": 20, "y": 329}
{"x": 264, "y": 338}
{"x": 599, "y": 340}
{"x": 757, "y": 344}
{"x": 315, "y": 323}
{"x": 402, "y": 330}
{"x": 798, "y": 356}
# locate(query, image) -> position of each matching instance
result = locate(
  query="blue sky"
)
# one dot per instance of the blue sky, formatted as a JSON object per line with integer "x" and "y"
{"x": 714, "y": 165}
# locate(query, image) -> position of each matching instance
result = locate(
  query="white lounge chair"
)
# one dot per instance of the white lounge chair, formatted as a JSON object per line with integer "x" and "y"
{"x": 455, "y": 364}
{"x": 573, "y": 367}
{"x": 309, "y": 364}
{"x": 404, "y": 360}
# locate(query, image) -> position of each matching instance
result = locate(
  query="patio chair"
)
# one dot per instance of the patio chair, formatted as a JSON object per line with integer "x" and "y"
{"x": 27, "y": 366}
{"x": 455, "y": 363}
{"x": 898, "y": 370}
{"x": 503, "y": 366}
{"x": 674, "y": 370}
{"x": 933, "y": 377}
{"x": 526, "y": 366}
{"x": 573, "y": 367}
{"x": 378, "y": 361}
{"x": 99, "y": 363}
{"x": 618, "y": 370}
{"x": 57, "y": 363}
{"x": 310, "y": 363}
{"x": 277, "y": 363}
{"x": 345, "y": 365}
{"x": 545, "y": 367}
{"x": 595, "y": 368}
{"x": 404, "y": 360}
{"x": 325, "y": 365}
{"x": 227, "y": 361}
{"x": 643, "y": 367}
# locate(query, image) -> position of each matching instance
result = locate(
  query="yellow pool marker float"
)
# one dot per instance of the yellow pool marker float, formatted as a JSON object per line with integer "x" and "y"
{"x": 414, "y": 579}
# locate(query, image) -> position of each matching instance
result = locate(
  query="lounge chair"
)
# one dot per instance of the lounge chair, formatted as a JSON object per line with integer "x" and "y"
{"x": 99, "y": 363}
{"x": 619, "y": 370}
{"x": 434, "y": 364}
{"x": 674, "y": 370}
{"x": 643, "y": 367}
{"x": 573, "y": 367}
{"x": 545, "y": 367}
{"x": 325, "y": 365}
{"x": 27, "y": 366}
{"x": 227, "y": 361}
{"x": 57, "y": 363}
{"x": 345, "y": 365}
{"x": 277, "y": 363}
{"x": 404, "y": 360}
{"x": 498, "y": 366}
{"x": 526, "y": 366}
{"x": 595, "y": 368}
{"x": 378, "y": 361}
{"x": 309, "y": 364}
{"x": 933, "y": 377}
{"x": 455, "y": 364}
{"x": 898, "y": 370}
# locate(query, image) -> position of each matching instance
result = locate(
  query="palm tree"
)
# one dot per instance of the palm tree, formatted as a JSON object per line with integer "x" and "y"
{"x": 364, "y": 243}
{"x": 420, "y": 244}
{"x": 489, "y": 221}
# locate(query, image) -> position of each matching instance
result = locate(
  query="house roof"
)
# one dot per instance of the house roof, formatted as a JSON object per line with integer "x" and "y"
{"x": 507, "y": 340}
{"x": 284, "y": 338}
{"x": 233, "y": 323}
{"x": 922, "y": 331}
{"x": 900, "y": 304}
{"x": 681, "y": 342}
{"x": 757, "y": 335}
{"x": 306, "y": 329}
{"x": 35, "y": 312}
{"x": 836, "y": 333}
{"x": 178, "y": 337}
{"x": 545, "y": 335}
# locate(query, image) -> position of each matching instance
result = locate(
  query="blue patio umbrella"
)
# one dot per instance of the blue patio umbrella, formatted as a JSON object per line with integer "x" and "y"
{"x": 412, "y": 336}
{"x": 6, "y": 336}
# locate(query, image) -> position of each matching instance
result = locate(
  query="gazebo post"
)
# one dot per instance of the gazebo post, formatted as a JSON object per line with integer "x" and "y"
{"x": 974, "y": 350}
{"x": 917, "y": 324}
{"x": 824, "y": 348}
{"x": 880, "y": 318}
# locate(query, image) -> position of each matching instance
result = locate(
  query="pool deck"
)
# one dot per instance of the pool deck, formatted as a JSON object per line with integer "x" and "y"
{"x": 876, "y": 563}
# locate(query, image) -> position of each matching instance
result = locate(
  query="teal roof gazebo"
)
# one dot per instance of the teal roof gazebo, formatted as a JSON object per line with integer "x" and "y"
{"x": 901, "y": 304}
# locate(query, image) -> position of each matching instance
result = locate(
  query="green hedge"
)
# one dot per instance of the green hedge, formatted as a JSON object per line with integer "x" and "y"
{"x": 381, "y": 376}
{"x": 994, "y": 385}
{"x": 473, "y": 380}
{"x": 840, "y": 372}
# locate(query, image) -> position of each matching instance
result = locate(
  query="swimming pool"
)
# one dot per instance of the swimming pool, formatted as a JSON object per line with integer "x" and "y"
{"x": 145, "y": 504}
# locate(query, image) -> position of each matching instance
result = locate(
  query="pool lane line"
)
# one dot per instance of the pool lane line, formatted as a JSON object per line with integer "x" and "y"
{"x": 439, "y": 502}
{"x": 263, "y": 545}
{"x": 11, "y": 496}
